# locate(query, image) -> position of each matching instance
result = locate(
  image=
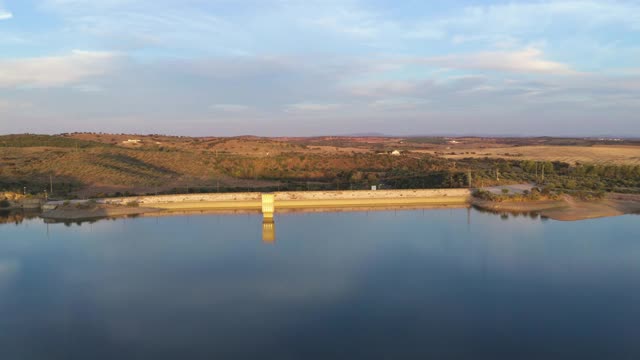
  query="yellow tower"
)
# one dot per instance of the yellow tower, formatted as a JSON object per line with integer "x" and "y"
{"x": 268, "y": 206}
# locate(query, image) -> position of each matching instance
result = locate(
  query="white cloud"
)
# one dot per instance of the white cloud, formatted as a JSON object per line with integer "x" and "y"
{"x": 71, "y": 5}
{"x": 311, "y": 107}
{"x": 5, "y": 15}
{"x": 526, "y": 19}
{"x": 146, "y": 95}
{"x": 364, "y": 63}
{"x": 350, "y": 22}
{"x": 398, "y": 87}
{"x": 524, "y": 61}
{"x": 55, "y": 71}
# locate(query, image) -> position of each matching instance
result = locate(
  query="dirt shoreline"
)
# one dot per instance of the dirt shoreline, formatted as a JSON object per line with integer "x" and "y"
{"x": 61, "y": 211}
{"x": 100, "y": 212}
{"x": 565, "y": 209}
{"x": 568, "y": 208}
{"x": 305, "y": 210}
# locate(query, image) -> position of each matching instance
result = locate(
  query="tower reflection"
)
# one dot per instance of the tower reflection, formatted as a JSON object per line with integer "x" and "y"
{"x": 268, "y": 231}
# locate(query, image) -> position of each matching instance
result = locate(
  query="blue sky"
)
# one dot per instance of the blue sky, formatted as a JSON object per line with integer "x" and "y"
{"x": 312, "y": 67}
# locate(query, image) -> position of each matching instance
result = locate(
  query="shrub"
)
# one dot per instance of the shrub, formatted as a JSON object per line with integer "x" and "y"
{"x": 133, "y": 204}
{"x": 484, "y": 195}
{"x": 534, "y": 195}
{"x": 4, "y": 203}
{"x": 84, "y": 205}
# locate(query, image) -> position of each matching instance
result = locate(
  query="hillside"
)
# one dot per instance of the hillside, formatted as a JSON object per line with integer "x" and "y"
{"x": 86, "y": 164}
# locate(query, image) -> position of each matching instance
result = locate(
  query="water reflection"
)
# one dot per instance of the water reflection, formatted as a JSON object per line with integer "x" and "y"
{"x": 17, "y": 216}
{"x": 268, "y": 231}
{"x": 441, "y": 284}
{"x": 506, "y": 215}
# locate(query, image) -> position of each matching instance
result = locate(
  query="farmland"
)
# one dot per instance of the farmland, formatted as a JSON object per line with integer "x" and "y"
{"x": 605, "y": 154}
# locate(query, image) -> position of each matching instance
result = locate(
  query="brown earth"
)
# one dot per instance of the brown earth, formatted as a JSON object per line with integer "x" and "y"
{"x": 160, "y": 163}
{"x": 602, "y": 154}
{"x": 568, "y": 208}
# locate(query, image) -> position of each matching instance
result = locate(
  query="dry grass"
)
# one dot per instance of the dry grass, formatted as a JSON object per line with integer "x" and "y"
{"x": 161, "y": 163}
{"x": 334, "y": 150}
{"x": 116, "y": 169}
{"x": 619, "y": 155}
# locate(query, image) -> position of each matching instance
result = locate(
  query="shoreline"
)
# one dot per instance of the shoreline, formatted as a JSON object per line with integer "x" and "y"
{"x": 564, "y": 209}
{"x": 100, "y": 212}
{"x": 305, "y": 210}
{"x": 568, "y": 208}
{"x": 284, "y": 201}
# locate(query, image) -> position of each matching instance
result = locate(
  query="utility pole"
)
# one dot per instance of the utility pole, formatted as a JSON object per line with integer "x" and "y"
{"x": 543, "y": 172}
{"x": 469, "y": 178}
{"x": 51, "y": 184}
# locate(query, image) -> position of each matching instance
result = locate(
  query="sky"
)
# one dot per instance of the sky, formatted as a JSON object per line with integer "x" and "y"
{"x": 321, "y": 67}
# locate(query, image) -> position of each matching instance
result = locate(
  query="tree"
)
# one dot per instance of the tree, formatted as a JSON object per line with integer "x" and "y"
{"x": 372, "y": 178}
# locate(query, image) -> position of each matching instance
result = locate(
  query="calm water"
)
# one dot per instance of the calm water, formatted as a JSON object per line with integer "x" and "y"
{"x": 439, "y": 284}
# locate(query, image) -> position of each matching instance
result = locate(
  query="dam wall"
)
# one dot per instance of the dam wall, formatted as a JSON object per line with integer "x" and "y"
{"x": 300, "y": 199}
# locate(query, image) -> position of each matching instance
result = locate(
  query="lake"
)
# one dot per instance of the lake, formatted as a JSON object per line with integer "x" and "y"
{"x": 410, "y": 284}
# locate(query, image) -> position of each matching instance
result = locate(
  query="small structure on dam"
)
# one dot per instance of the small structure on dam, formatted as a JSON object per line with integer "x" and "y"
{"x": 268, "y": 226}
{"x": 268, "y": 206}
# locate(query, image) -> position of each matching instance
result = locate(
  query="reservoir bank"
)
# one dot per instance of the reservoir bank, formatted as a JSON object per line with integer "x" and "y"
{"x": 253, "y": 201}
{"x": 564, "y": 208}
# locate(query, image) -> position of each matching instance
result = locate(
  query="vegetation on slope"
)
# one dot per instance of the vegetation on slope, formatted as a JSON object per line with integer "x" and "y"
{"x": 29, "y": 140}
{"x": 101, "y": 165}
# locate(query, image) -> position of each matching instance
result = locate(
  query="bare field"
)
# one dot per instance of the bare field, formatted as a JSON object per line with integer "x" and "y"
{"x": 604, "y": 154}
